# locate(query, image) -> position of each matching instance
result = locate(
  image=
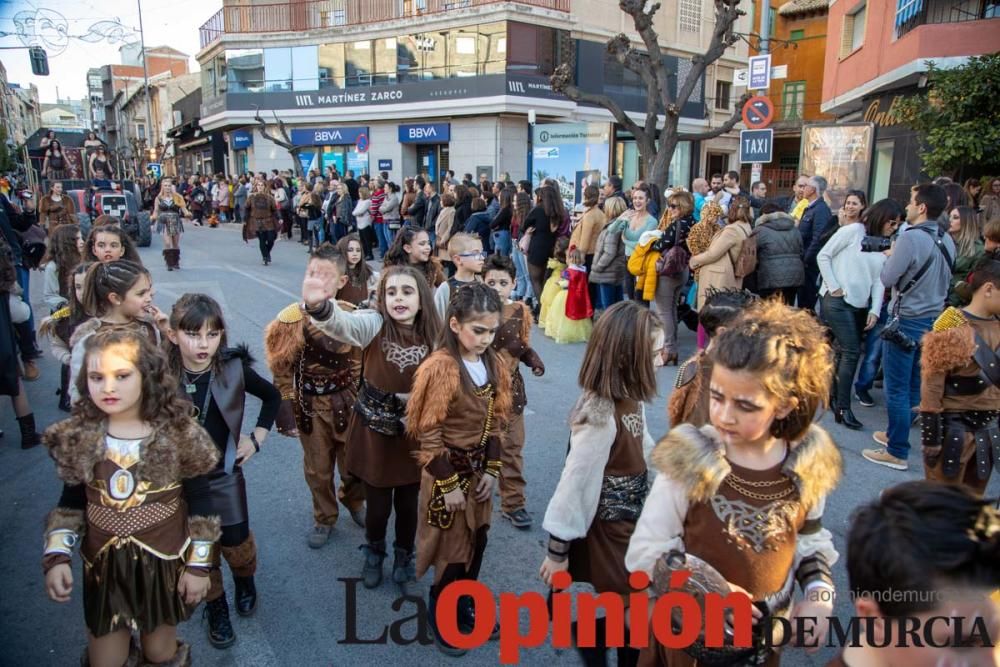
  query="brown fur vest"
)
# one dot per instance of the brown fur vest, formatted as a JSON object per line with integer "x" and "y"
{"x": 174, "y": 452}
{"x": 696, "y": 458}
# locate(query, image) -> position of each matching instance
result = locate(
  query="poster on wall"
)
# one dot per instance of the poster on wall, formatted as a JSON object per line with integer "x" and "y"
{"x": 839, "y": 153}
{"x": 357, "y": 162}
{"x": 574, "y": 154}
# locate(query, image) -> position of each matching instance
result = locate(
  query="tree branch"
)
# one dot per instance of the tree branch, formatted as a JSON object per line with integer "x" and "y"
{"x": 560, "y": 81}
{"x": 284, "y": 142}
{"x": 722, "y": 129}
{"x": 643, "y": 21}
{"x": 726, "y": 14}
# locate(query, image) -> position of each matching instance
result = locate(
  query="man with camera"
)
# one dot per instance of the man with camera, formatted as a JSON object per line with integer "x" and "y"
{"x": 918, "y": 271}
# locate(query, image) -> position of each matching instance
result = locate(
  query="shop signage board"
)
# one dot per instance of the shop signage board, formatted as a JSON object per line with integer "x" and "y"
{"x": 241, "y": 139}
{"x": 384, "y": 165}
{"x": 425, "y": 133}
{"x": 327, "y": 136}
{"x": 155, "y": 168}
{"x": 756, "y": 146}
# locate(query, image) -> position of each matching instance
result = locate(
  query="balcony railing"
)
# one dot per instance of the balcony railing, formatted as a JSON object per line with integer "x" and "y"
{"x": 927, "y": 12}
{"x": 295, "y": 16}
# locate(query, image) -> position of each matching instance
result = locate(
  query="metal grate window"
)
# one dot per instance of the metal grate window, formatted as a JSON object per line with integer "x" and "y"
{"x": 689, "y": 13}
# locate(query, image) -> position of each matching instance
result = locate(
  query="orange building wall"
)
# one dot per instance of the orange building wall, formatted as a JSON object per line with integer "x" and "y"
{"x": 805, "y": 62}
{"x": 881, "y": 54}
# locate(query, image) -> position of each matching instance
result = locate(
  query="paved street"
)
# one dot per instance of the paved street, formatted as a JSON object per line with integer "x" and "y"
{"x": 301, "y": 619}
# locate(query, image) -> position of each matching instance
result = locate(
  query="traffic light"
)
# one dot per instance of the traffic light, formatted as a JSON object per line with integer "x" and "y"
{"x": 39, "y": 61}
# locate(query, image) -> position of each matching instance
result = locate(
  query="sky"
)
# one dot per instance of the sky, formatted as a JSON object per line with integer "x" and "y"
{"x": 172, "y": 23}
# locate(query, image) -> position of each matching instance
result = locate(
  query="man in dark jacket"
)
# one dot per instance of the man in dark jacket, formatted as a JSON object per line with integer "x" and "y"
{"x": 418, "y": 209}
{"x": 432, "y": 207}
{"x": 14, "y": 222}
{"x": 812, "y": 227}
{"x": 352, "y": 185}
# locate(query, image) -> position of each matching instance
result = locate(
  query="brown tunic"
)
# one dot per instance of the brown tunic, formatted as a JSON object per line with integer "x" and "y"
{"x": 353, "y": 293}
{"x": 459, "y": 429}
{"x": 325, "y": 367}
{"x": 381, "y": 460}
{"x": 599, "y": 558}
{"x": 510, "y": 343}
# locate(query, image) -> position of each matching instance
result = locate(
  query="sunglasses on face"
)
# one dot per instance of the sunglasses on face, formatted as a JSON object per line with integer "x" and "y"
{"x": 473, "y": 255}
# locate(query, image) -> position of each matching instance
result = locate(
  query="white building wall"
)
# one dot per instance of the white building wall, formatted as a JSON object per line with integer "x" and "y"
{"x": 513, "y": 147}
{"x": 384, "y": 142}
{"x": 473, "y": 144}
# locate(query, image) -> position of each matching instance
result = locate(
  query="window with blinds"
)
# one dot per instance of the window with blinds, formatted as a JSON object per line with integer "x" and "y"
{"x": 853, "y": 34}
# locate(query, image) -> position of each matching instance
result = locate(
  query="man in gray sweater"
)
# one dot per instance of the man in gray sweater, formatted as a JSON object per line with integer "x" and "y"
{"x": 918, "y": 271}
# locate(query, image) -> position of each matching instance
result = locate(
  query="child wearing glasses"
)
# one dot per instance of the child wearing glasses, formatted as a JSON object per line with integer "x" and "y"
{"x": 466, "y": 251}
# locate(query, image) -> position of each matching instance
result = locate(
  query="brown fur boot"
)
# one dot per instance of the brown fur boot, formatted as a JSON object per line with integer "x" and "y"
{"x": 242, "y": 561}
{"x": 166, "y": 259}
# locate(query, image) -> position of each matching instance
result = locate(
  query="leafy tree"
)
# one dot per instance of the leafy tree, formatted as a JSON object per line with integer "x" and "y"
{"x": 656, "y": 144}
{"x": 957, "y": 116}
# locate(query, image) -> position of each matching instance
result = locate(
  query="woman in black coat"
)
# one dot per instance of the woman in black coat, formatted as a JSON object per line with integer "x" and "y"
{"x": 543, "y": 224}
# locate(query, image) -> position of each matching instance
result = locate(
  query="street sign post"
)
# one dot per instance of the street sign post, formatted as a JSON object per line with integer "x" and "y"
{"x": 741, "y": 77}
{"x": 756, "y": 146}
{"x": 760, "y": 72}
{"x": 758, "y": 112}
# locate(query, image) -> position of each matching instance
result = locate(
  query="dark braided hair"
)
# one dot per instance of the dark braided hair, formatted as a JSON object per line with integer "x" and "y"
{"x": 103, "y": 280}
{"x": 469, "y": 302}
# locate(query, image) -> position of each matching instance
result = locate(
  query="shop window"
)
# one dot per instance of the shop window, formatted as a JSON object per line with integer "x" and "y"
{"x": 793, "y": 100}
{"x": 797, "y": 35}
{"x": 385, "y": 61}
{"x": 722, "y": 93}
{"x": 882, "y": 169}
{"x": 305, "y": 68}
{"x": 358, "y": 61}
{"x": 245, "y": 71}
{"x": 331, "y": 64}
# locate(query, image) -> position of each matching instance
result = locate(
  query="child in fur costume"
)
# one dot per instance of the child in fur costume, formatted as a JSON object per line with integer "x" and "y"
{"x": 513, "y": 346}
{"x": 688, "y": 403}
{"x": 318, "y": 379}
{"x": 396, "y": 338}
{"x": 146, "y": 559}
{"x": 745, "y": 495}
{"x": 216, "y": 380}
{"x": 593, "y": 511}
{"x": 460, "y": 404}
{"x": 960, "y": 384}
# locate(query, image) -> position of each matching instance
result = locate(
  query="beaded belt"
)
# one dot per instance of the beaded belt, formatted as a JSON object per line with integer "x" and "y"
{"x": 132, "y": 520}
{"x": 622, "y": 497}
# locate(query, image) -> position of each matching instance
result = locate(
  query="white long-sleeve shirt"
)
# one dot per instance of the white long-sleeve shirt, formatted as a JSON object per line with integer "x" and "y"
{"x": 844, "y": 267}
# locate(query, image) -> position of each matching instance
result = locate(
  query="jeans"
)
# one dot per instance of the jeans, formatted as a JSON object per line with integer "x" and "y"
{"x": 901, "y": 369}
{"x": 522, "y": 285}
{"x": 26, "y": 330}
{"x": 265, "y": 239}
{"x": 809, "y": 290}
{"x": 668, "y": 292}
{"x": 847, "y": 324}
{"x": 608, "y": 295}
{"x": 501, "y": 242}
{"x": 871, "y": 356}
{"x": 385, "y": 236}
{"x": 317, "y": 234}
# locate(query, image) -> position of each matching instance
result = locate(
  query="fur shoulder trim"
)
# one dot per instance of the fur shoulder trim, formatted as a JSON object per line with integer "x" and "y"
{"x": 61, "y": 313}
{"x": 434, "y": 385}
{"x": 696, "y": 458}
{"x": 946, "y": 349}
{"x": 526, "y": 320}
{"x": 282, "y": 343}
{"x": 76, "y": 445}
{"x": 503, "y": 403}
{"x": 290, "y": 314}
{"x": 591, "y": 409}
{"x": 688, "y": 371}
{"x": 85, "y": 329}
{"x": 241, "y": 352}
{"x": 951, "y": 317}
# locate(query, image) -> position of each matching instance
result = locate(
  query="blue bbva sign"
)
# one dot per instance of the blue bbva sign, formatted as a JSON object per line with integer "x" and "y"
{"x": 240, "y": 139}
{"x": 429, "y": 133}
{"x": 327, "y": 136}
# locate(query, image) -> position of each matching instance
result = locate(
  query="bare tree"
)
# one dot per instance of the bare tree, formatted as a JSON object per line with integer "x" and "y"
{"x": 285, "y": 141}
{"x": 656, "y": 145}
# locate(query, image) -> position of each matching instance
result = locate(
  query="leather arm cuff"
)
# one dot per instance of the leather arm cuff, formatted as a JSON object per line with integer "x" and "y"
{"x": 320, "y": 313}
{"x": 812, "y": 569}
{"x": 558, "y": 549}
{"x": 493, "y": 467}
{"x": 440, "y": 467}
{"x": 200, "y": 556}
{"x": 532, "y": 360}
{"x": 49, "y": 561}
{"x": 285, "y": 419}
{"x": 493, "y": 448}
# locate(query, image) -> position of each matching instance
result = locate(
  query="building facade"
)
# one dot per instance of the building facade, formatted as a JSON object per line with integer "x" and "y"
{"x": 428, "y": 85}
{"x": 95, "y": 99}
{"x": 798, "y": 39}
{"x": 165, "y": 90}
{"x": 880, "y": 53}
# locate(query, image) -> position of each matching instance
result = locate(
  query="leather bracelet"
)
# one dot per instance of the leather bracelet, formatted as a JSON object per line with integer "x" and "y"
{"x": 60, "y": 541}
{"x": 200, "y": 554}
{"x": 558, "y": 549}
{"x": 253, "y": 439}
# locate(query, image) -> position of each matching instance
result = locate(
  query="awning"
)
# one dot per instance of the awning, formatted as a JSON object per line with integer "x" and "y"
{"x": 907, "y": 9}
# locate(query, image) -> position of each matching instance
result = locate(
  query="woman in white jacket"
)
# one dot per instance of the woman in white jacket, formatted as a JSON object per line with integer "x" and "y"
{"x": 390, "y": 211}
{"x": 852, "y": 295}
{"x": 363, "y": 218}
